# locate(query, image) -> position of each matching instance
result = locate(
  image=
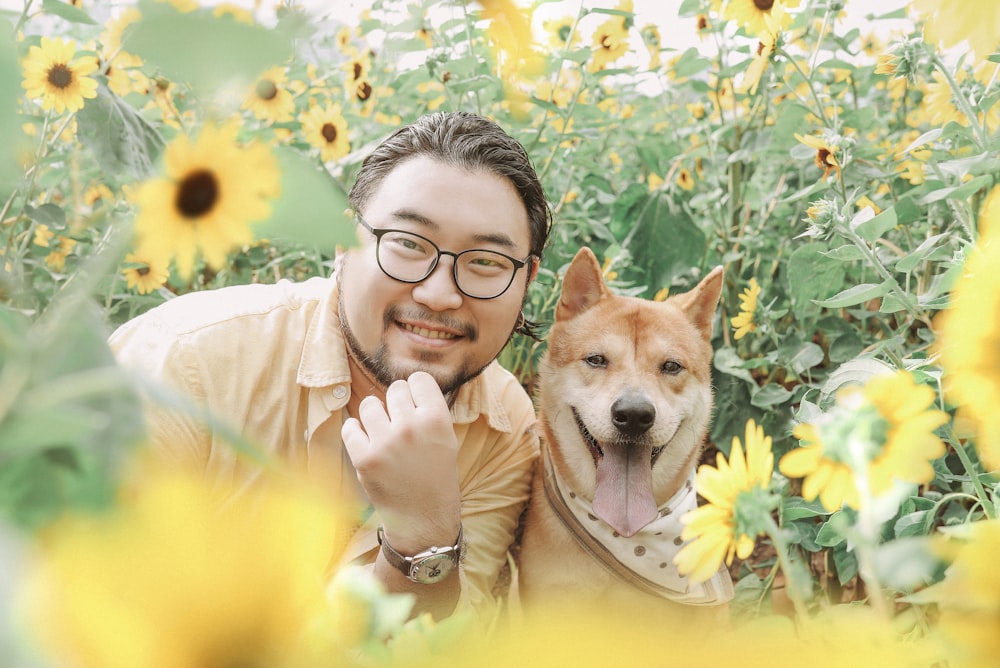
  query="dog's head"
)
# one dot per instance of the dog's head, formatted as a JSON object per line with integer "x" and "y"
{"x": 625, "y": 391}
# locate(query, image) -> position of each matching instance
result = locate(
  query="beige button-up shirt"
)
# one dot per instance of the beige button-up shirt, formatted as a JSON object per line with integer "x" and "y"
{"x": 271, "y": 361}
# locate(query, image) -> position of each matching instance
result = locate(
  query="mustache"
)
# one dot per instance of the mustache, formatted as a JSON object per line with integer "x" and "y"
{"x": 397, "y": 313}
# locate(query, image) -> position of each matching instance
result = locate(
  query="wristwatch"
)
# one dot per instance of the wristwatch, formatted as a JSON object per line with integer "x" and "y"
{"x": 428, "y": 567}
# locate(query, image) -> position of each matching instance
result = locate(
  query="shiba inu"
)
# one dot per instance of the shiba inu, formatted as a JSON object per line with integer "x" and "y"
{"x": 624, "y": 400}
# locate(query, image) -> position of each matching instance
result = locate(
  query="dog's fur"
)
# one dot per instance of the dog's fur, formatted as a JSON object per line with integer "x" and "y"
{"x": 635, "y": 374}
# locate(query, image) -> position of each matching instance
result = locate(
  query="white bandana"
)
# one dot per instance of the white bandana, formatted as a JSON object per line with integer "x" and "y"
{"x": 646, "y": 560}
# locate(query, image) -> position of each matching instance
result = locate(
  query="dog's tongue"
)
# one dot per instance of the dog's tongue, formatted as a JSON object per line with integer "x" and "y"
{"x": 624, "y": 494}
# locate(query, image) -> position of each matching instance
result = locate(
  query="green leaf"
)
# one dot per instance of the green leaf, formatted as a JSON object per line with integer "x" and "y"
{"x": 770, "y": 395}
{"x": 801, "y": 356}
{"x": 856, "y": 371}
{"x": 857, "y": 294}
{"x": 875, "y": 227}
{"x": 202, "y": 50}
{"x": 846, "y": 563}
{"x": 49, "y": 214}
{"x": 811, "y": 272}
{"x": 68, "y": 12}
{"x": 10, "y": 121}
{"x": 797, "y": 508}
{"x": 906, "y": 564}
{"x": 834, "y": 530}
{"x": 920, "y": 253}
{"x": 310, "y": 209}
{"x": 730, "y": 363}
{"x": 957, "y": 192}
{"x": 124, "y": 143}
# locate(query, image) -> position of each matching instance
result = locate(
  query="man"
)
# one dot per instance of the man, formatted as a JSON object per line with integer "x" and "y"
{"x": 383, "y": 377}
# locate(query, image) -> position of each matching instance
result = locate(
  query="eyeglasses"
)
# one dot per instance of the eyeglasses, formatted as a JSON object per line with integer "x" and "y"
{"x": 411, "y": 258}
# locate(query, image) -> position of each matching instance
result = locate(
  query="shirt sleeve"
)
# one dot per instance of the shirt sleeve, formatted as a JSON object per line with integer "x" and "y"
{"x": 492, "y": 502}
{"x": 171, "y": 393}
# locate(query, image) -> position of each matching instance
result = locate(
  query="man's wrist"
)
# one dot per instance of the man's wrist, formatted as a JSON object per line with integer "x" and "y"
{"x": 429, "y": 565}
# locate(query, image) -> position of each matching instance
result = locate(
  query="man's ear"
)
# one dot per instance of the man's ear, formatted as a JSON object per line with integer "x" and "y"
{"x": 534, "y": 264}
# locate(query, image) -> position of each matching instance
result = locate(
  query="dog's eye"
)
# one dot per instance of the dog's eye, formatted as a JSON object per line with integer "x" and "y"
{"x": 596, "y": 361}
{"x": 671, "y": 367}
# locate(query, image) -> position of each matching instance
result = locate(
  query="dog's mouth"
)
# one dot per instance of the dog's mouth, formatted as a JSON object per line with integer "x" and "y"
{"x": 595, "y": 448}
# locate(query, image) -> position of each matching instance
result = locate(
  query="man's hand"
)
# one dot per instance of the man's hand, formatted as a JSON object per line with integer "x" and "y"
{"x": 406, "y": 457}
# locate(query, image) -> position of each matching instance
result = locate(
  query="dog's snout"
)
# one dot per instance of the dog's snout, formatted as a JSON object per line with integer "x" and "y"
{"x": 633, "y": 415}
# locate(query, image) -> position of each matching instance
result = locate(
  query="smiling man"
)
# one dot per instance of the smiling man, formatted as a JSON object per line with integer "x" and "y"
{"x": 382, "y": 379}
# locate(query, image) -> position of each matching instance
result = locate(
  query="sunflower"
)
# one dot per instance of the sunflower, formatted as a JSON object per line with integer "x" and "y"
{"x": 561, "y": 33}
{"x": 51, "y": 74}
{"x": 752, "y": 15}
{"x": 969, "y": 336}
{"x": 326, "y": 129}
{"x": 765, "y": 49}
{"x": 111, "y": 39}
{"x": 145, "y": 275}
{"x": 950, "y": 23}
{"x": 609, "y": 44}
{"x": 269, "y": 99}
{"x": 826, "y": 152}
{"x": 651, "y": 38}
{"x": 213, "y": 188}
{"x": 737, "y": 492}
{"x": 744, "y": 322}
{"x": 57, "y": 258}
{"x": 684, "y": 179}
{"x": 889, "y": 423}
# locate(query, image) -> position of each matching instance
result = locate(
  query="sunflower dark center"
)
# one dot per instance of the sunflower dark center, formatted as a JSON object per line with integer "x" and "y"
{"x": 357, "y": 70}
{"x": 564, "y": 32}
{"x": 607, "y": 42}
{"x": 763, "y": 5}
{"x": 142, "y": 271}
{"x": 364, "y": 91}
{"x": 822, "y": 155}
{"x": 266, "y": 90}
{"x": 60, "y": 75}
{"x": 329, "y": 132}
{"x": 197, "y": 194}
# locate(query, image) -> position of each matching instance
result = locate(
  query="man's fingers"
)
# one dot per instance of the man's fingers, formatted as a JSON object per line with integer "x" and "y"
{"x": 426, "y": 392}
{"x": 355, "y": 438}
{"x": 399, "y": 400}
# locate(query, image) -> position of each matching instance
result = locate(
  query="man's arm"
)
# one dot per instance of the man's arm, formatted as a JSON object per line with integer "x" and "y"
{"x": 406, "y": 457}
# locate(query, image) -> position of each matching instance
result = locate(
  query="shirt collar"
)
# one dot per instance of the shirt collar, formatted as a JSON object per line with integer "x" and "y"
{"x": 324, "y": 363}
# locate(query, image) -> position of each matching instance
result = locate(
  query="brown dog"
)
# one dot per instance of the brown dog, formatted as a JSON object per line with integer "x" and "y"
{"x": 624, "y": 400}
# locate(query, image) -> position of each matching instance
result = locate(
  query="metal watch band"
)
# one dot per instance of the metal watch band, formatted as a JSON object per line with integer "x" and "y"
{"x": 432, "y": 565}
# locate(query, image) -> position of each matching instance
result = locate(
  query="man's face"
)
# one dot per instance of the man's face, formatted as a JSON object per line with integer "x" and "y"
{"x": 396, "y": 328}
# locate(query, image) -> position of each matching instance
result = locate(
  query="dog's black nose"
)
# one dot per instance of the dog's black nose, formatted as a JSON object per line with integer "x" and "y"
{"x": 632, "y": 415}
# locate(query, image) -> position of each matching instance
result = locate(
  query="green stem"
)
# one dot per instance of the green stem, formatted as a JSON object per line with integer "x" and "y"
{"x": 793, "y": 586}
{"x": 812, "y": 91}
{"x": 970, "y": 468}
{"x": 897, "y": 290}
{"x": 962, "y": 101}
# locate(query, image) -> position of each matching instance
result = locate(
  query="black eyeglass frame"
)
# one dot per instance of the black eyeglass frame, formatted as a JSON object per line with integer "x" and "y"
{"x": 379, "y": 232}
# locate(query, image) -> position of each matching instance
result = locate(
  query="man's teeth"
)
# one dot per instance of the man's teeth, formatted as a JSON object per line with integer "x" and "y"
{"x": 429, "y": 333}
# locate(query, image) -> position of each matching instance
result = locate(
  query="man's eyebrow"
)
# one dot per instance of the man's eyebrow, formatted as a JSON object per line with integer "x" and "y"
{"x": 409, "y": 215}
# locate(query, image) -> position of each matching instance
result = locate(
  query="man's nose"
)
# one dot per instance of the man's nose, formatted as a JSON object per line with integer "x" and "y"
{"x": 438, "y": 291}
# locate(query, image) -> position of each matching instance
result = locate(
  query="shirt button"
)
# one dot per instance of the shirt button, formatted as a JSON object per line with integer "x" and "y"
{"x": 340, "y": 392}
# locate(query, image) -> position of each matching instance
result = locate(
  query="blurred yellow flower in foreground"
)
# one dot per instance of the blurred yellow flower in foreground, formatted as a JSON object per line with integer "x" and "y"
{"x": 736, "y": 491}
{"x": 172, "y": 578}
{"x": 969, "y": 336}
{"x": 877, "y": 433}
{"x": 212, "y": 190}
{"x": 950, "y": 23}
{"x": 969, "y": 597}
{"x": 53, "y": 76}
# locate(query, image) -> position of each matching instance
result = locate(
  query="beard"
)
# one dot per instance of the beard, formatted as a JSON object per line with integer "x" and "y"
{"x": 384, "y": 370}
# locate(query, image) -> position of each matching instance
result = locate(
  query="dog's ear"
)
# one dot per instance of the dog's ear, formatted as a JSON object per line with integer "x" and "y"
{"x": 700, "y": 303}
{"x": 583, "y": 286}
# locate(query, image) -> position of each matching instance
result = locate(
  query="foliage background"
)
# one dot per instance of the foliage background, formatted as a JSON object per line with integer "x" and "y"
{"x": 855, "y": 241}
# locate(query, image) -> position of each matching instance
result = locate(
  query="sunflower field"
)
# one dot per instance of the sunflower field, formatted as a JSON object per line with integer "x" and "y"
{"x": 842, "y": 172}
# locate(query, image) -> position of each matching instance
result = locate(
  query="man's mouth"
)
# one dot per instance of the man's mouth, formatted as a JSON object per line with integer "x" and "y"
{"x": 595, "y": 448}
{"x": 428, "y": 333}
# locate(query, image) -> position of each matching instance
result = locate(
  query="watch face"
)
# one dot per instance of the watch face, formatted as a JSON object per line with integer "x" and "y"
{"x": 433, "y": 568}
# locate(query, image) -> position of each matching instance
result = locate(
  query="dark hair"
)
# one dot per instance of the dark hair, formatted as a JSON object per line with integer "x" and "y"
{"x": 464, "y": 140}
